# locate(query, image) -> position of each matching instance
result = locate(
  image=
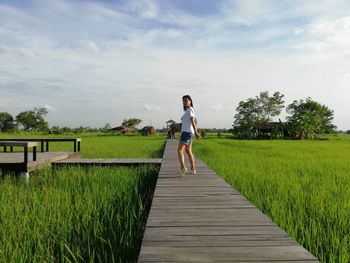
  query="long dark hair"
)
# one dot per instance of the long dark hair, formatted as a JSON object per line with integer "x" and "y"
{"x": 189, "y": 98}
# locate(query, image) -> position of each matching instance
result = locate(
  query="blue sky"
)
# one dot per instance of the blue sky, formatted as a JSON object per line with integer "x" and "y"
{"x": 97, "y": 62}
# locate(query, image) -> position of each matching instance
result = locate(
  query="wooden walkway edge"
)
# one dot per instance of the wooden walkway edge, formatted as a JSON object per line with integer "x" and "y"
{"x": 201, "y": 218}
{"x": 13, "y": 161}
{"x": 108, "y": 162}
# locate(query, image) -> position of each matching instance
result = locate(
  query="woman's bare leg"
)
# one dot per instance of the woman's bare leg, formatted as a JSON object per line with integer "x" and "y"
{"x": 190, "y": 156}
{"x": 180, "y": 152}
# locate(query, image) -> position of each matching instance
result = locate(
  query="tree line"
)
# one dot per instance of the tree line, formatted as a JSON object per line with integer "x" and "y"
{"x": 34, "y": 121}
{"x": 253, "y": 119}
{"x": 30, "y": 120}
{"x": 307, "y": 118}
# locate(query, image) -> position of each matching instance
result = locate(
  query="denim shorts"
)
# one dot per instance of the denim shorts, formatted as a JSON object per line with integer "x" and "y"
{"x": 186, "y": 138}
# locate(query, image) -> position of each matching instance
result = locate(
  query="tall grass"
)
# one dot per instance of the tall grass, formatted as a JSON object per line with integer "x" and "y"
{"x": 75, "y": 215}
{"x": 304, "y": 186}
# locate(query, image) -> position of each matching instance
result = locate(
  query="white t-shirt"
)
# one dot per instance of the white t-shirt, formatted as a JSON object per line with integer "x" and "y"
{"x": 186, "y": 121}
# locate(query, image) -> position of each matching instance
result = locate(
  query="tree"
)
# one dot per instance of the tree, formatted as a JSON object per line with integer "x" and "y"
{"x": 309, "y": 118}
{"x": 79, "y": 130}
{"x": 131, "y": 123}
{"x": 106, "y": 128}
{"x": 33, "y": 119}
{"x": 256, "y": 111}
{"x": 55, "y": 130}
{"x": 6, "y": 122}
{"x": 269, "y": 106}
{"x": 245, "y": 119}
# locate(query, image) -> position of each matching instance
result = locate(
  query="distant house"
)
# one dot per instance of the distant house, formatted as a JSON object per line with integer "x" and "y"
{"x": 148, "y": 130}
{"x": 123, "y": 129}
{"x": 270, "y": 130}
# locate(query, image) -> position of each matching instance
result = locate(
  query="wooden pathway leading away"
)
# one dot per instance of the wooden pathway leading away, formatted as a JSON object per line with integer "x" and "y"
{"x": 201, "y": 218}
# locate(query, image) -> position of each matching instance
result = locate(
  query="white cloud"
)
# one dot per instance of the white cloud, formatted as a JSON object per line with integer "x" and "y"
{"x": 298, "y": 31}
{"x": 216, "y": 107}
{"x": 248, "y": 12}
{"x": 104, "y": 65}
{"x": 150, "y": 107}
{"x": 91, "y": 45}
{"x": 345, "y": 76}
{"x": 143, "y": 8}
{"x": 49, "y": 107}
{"x": 328, "y": 36}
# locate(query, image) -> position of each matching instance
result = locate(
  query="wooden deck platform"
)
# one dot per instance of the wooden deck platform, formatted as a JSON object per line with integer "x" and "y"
{"x": 13, "y": 161}
{"x": 201, "y": 218}
{"x": 108, "y": 162}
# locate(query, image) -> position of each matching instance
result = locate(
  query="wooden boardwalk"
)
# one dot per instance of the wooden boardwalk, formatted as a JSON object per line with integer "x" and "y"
{"x": 109, "y": 162}
{"x": 201, "y": 218}
{"x": 13, "y": 161}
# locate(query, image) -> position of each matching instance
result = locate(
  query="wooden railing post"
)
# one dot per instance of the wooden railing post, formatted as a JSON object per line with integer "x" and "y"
{"x": 34, "y": 153}
{"x": 25, "y": 154}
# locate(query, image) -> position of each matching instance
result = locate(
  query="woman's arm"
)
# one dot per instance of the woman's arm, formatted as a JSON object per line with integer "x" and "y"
{"x": 195, "y": 127}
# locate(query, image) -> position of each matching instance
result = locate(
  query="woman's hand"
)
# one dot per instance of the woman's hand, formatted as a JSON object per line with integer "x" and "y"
{"x": 193, "y": 122}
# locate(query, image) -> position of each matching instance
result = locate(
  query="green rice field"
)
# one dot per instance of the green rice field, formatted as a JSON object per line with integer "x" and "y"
{"x": 303, "y": 186}
{"x": 80, "y": 214}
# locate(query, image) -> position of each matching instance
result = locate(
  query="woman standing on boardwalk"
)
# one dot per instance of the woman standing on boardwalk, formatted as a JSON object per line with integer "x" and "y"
{"x": 188, "y": 130}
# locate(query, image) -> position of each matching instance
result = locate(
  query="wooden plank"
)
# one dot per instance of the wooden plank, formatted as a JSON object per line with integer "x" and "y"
{"x": 201, "y": 218}
{"x": 205, "y": 230}
{"x": 213, "y": 222}
{"x": 229, "y": 217}
{"x": 198, "y": 199}
{"x": 255, "y": 261}
{"x": 232, "y": 254}
{"x": 42, "y": 139}
{"x": 62, "y": 139}
{"x": 19, "y": 144}
{"x": 195, "y": 190}
{"x": 190, "y": 194}
{"x": 220, "y": 241}
{"x": 170, "y": 205}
